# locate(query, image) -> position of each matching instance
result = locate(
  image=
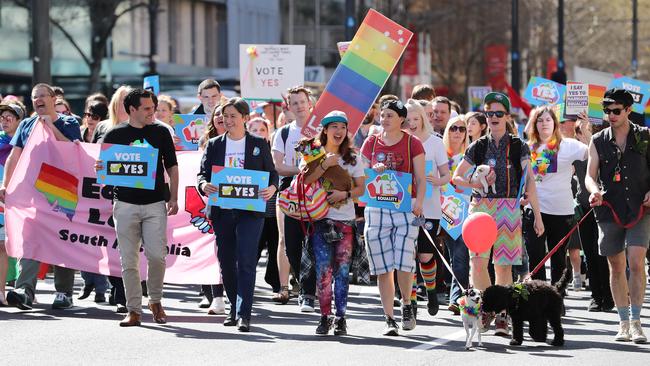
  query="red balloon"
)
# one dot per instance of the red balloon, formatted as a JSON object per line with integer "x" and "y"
{"x": 479, "y": 232}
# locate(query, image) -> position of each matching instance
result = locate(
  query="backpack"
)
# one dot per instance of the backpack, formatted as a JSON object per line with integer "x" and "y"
{"x": 284, "y": 134}
{"x": 514, "y": 155}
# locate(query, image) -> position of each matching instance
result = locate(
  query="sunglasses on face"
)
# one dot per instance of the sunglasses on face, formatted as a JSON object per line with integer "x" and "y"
{"x": 92, "y": 116}
{"x": 460, "y": 129}
{"x": 615, "y": 111}
{"x": 498, "y": 114}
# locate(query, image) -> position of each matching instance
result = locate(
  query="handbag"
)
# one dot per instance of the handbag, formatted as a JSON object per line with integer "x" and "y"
{"x": 304, "y": 202}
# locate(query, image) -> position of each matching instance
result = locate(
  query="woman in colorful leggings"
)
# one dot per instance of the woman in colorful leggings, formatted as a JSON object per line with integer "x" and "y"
{"x": 333, "y": 237}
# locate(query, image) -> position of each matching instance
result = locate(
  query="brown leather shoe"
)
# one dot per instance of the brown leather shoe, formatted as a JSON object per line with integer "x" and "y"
{"x": 158, "y": 313}
{"x": 132, "y": 319}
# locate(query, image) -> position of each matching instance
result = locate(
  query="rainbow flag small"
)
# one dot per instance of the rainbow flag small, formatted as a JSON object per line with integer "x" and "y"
{"x": 59, "y": 188}
{"x": 364, "y": 68}
{"x": 647, "y": 114}
{"x": 595, "y": 111}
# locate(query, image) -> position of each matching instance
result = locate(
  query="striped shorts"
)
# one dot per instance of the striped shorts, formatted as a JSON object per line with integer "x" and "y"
{"x": 390, "y": 240}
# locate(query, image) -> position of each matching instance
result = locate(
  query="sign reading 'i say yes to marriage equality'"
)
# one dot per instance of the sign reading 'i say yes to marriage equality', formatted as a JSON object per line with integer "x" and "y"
{"x": 238, "y": 188}
{"x": 128, "y": 166}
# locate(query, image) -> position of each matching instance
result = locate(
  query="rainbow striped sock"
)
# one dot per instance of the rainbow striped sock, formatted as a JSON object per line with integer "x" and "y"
{"x": 428, "y": 271}
{"x": 414, "y": 288}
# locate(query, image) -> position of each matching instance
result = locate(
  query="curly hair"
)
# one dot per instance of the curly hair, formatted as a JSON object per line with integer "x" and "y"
{"x": 345, "y": 149}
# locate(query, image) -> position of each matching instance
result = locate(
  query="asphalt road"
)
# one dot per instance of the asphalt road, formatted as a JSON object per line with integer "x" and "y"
{"x": 88, "y": 334}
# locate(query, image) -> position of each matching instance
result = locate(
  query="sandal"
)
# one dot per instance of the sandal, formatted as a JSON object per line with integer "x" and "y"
{"x": 282, "y": 297}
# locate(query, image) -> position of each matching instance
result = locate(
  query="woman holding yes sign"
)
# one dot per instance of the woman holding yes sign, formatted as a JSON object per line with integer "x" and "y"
{"x": 237, "y": 231}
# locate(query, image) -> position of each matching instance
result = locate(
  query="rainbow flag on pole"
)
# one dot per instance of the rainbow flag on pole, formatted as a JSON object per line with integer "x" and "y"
{"x": 362, "y": 72}
{"x": 60, "y": 187}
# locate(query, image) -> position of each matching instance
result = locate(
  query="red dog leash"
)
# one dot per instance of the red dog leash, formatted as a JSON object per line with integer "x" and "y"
{"x": 568, "y": 235}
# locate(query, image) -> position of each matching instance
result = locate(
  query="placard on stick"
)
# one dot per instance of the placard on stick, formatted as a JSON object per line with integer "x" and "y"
{"x": 268, "y": 70}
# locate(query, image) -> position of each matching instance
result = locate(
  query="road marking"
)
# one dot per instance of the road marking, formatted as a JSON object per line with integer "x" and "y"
{"x": 439, "y": 341}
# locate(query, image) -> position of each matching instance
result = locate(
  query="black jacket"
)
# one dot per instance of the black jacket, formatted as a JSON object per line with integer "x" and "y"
{"x": 214, "y": 154}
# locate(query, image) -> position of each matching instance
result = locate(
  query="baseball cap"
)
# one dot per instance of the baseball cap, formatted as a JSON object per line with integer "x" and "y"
{"x": 334, "y": 116}
{"x": 13, "y": 108}
{"x": 496, "y": 97}
{"x": 619, "y": 96}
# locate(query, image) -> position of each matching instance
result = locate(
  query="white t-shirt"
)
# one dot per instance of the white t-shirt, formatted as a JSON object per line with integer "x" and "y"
{"x": 346, "y": 211}
{"x": 291, "y": 157}
{"x": 235, "y": 153}
{"x": 434, "y": 151}
{"x": 554, "y": 189}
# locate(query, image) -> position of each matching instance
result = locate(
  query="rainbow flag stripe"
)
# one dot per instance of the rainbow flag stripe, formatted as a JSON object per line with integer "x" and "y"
{"x": 596, "y": 94}
{"x": 59, "y": 187}
{"x": 364, "y": 69}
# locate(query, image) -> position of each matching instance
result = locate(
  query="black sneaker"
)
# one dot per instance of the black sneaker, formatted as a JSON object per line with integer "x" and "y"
{"x": 324, "y": 325}
{"x": 19, "y": 299}
{"x": 432, "y": 304}
{"x": 414, "y": 307}
{"x": 408, "y": 320}
{"x": 340, "y": 327}
{"x": 594, "y": 306}
{"x": 421, "y": 293}
{"x": 391, "y": 328}
{"x": 607, "y": 305}
{"x": 87, "y": 290}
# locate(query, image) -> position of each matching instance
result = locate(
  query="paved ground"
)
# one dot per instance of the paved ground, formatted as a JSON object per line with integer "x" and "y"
{"x": 89, "y": 334}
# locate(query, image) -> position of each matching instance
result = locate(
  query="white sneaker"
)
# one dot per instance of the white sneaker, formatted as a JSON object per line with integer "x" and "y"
{"x": 577, "y": 282}
{"x": 636, "y": 332}
{"x": 217, "y": 306}
{"x": 502, "y": 328}
{"x": 623, "y": 334}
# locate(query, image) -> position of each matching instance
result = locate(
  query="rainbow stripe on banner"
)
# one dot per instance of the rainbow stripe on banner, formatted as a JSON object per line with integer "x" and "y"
{"x": 60, "y": 187}
{"x": 595, "y": 111}
{"x": 366, "y": 65}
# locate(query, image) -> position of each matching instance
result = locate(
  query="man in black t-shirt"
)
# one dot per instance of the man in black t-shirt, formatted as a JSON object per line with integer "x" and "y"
{"x": 141, "y": 215}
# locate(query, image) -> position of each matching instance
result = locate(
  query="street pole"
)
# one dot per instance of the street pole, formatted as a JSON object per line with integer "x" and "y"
{"x": 635, "y": 33}
{"x": 559, "y": 76}
{"x": 515, "y": 61}
{"x": 350, "y": 21}
{"x": 41, "y": 47}
{"x": 153, "y": 20}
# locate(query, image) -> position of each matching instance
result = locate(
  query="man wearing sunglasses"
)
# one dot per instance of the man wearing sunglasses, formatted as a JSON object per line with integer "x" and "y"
{"x": 618, "y": 174}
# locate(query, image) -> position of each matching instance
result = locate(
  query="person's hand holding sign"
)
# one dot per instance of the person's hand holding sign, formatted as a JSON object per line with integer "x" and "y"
{"x": 268, "y": 192}
{"x": 209, "y": 188}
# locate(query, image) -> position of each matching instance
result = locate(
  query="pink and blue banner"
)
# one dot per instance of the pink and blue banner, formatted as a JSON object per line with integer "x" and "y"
{"x": 57, "y": 213}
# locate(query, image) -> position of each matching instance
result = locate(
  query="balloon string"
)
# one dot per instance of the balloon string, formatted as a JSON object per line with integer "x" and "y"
{"x": 442, "y": 258}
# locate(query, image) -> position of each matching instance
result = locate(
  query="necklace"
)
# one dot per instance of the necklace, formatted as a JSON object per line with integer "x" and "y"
{"x": 546, "y": 162}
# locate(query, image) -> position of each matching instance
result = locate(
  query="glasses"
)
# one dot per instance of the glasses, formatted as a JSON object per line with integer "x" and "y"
{"x": 92, "y": 116}
{"x": 461, "y": 129}
{"x": 498, "y": 114}
{"x": 616, "y": 111}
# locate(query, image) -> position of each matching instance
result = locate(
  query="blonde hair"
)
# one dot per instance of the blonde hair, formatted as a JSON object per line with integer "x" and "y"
{"x": 116, "y": 100}
{"x": 414, "y": 106}
{"x": 533, "y": 135}
{"x": 162, "y": 98}
{"x": 445, "y": 136}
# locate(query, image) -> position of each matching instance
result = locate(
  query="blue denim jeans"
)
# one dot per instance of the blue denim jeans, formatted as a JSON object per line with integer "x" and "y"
{"x": 459, "y": 256}
{"x": 238, "y": 234}
{"x": 99, "y": 281}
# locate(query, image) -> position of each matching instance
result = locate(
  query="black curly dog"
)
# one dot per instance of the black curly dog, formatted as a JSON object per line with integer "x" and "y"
{"x": 544, "y": 305}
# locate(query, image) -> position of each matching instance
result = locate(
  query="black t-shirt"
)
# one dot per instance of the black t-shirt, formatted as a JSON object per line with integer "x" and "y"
{"x": 157, "y": 136}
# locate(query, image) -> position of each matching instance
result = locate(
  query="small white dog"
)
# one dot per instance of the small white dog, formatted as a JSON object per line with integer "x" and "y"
{"x": 470, "y": 308}
{"x": 481, "y": 174}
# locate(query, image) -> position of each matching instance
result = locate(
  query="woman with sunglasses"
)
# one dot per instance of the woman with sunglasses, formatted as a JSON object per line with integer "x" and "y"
{"x": 477, "y": 126}
{"x": 509, "y": 160}
{"x": 455, "y": 140}
{"x": 95, "y": 112}
{"x": 391, "y": 235}
{"x": 552, "y": 159}
{"x": 434, "y": 154}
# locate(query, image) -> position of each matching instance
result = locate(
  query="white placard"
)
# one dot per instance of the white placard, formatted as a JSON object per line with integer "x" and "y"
{"x": 268, "y": 70}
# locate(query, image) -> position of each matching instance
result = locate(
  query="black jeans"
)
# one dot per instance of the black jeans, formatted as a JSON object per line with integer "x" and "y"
{"x": 117, "y": 290}
{"x": 597, "y": 267}
{"x": 293, "y": 239}
{"x": 269, "y": 240}
{"x": 555, "y": 228}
